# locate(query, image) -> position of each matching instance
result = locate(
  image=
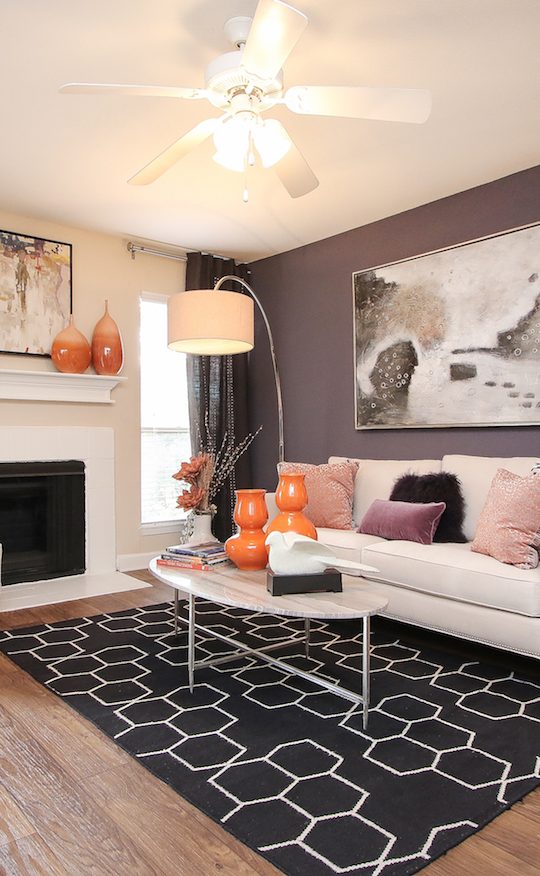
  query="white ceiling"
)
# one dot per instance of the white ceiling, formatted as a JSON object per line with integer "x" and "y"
{"x": 68, "y": 157}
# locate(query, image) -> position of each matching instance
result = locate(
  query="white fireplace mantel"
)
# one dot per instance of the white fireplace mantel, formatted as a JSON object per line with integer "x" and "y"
{"x": 56, "y": 386}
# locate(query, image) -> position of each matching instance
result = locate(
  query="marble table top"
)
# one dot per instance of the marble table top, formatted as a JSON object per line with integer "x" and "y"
{"x": 227, "y": 585}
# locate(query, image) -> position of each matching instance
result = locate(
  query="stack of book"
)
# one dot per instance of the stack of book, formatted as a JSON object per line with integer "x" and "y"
{"x": 201, "y": 556}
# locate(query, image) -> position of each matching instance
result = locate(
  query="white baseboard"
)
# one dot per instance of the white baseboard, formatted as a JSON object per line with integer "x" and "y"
{"x": 132, "y": 562}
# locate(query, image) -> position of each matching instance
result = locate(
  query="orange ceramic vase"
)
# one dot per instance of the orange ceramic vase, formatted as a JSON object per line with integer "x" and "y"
{"x": 247, "y": 549}
{"x": 70, "y": 350}
{"x": 291, "y": 498}
{"x": 107, "y": 349}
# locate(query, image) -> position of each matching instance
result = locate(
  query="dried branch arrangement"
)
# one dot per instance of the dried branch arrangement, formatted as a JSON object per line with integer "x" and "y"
{"x": 205, "y": 474}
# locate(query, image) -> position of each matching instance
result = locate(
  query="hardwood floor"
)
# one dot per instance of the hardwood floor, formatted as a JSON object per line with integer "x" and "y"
{"x": 72, "y": 803}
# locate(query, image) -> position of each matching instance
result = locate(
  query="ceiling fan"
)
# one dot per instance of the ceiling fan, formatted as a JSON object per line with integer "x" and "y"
{"x": 246, "y": 83}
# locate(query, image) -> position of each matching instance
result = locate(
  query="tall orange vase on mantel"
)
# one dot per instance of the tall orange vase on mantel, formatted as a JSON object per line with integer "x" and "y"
{"x": 291, "y": 499}
{"x": 107, "y": 348}
{"x": 247, "y": 549}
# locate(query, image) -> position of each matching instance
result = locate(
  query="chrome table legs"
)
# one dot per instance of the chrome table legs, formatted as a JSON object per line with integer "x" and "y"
{"x": 261, "y": 653}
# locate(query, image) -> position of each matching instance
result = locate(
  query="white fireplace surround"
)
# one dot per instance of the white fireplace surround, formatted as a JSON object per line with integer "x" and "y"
{"x": 95, "y": 448}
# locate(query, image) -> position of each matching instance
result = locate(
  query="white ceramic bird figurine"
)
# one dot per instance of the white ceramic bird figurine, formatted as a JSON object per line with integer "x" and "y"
{"x": 293, "y": 554}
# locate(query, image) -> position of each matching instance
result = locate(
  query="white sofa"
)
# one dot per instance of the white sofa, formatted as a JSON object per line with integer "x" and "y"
{"x": 445, "y": 587}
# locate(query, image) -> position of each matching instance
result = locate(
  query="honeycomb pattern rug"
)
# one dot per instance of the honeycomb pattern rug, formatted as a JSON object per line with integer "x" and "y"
{"x": 286, "y": 768}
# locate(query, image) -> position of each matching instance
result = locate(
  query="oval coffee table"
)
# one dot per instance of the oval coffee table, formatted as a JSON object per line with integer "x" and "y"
{"x": 229, "y": 586}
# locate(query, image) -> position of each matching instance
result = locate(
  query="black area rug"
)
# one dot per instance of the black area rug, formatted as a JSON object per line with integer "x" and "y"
{"x": 285, "y": 767}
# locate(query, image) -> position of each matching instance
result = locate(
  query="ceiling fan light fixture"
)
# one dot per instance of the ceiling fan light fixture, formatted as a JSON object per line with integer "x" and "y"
{"x": 235, "y": 138}
{"x": 232, "y": 140}
{"x": 271, "y": 141}
{"x": 230, "y": 160}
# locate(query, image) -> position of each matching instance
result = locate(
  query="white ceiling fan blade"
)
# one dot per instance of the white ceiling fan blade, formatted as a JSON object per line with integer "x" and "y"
{"x": 355, "y": 102}
{"x": 275, "y": 30}
{"x": 135, "y": 90}
{"x": 175, "y": 152}
{"x": 294, "y": 171}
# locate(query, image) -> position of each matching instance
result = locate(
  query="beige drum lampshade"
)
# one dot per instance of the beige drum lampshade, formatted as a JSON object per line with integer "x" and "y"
{"x": 208, "y": 322}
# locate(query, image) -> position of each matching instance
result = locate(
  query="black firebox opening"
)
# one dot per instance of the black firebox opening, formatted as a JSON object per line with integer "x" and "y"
{"x": 42, "y": 525}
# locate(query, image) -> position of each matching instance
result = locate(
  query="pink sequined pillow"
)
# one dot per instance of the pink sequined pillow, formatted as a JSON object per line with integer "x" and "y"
{"x": 509, "y": 525}
{"x": 330, "y": 490}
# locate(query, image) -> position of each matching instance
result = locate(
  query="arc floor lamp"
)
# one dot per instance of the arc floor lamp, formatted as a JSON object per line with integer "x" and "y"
{"x": 216, "y": 322}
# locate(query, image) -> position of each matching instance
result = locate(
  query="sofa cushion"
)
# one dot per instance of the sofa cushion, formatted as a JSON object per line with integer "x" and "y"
{"x": 476, "y": 474}
{"x": 509, "y": 525}
{"x": 439, "y": 486}
{"x": 376, "y": 477}
{"x": 330, "y": 491}
{"x": 347, "y": 543}
{"x": 413, "y": 521}
{"x": 454, "y": 571}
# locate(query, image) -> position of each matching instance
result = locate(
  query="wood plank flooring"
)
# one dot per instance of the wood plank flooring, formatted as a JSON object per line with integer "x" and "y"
{"x": 73, "y": 804}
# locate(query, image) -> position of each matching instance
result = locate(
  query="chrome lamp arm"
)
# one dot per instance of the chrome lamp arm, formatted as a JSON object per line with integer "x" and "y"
{"x": 219, "y": 284}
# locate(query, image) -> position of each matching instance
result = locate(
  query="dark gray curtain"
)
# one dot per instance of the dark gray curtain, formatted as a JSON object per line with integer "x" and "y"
{"x": 217, "y": 387}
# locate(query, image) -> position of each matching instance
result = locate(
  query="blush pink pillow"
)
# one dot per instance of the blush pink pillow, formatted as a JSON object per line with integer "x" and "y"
{"x": 330, "y": 489}
{"x": 509, "y": 525}
{"x": 404, "y": 521}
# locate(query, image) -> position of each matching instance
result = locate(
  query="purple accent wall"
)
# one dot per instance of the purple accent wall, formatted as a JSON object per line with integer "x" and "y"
{"x": 307, "y": 294}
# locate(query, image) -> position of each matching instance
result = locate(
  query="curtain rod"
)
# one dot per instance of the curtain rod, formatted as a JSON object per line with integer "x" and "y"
{"x": 134, "y": 248}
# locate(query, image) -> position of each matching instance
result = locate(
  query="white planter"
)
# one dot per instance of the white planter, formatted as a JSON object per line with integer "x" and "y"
{"x": 202, "y": 528}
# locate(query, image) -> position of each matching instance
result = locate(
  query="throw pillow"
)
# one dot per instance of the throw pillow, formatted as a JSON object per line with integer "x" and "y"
{"x": 406, "y": 521}
{"x": 509, "y": 524}
{"x": 437, "y": 487}
{"x": 330, "y": 489}
{"x": 536, "y": 468}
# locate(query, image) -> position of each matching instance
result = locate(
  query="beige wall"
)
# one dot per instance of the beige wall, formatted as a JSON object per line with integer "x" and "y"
{"x": 102, "y": 268}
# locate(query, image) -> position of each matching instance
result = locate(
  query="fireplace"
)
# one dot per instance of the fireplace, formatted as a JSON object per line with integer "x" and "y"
{"x": 42, "y": 520}
{"x": 93, "y": 446}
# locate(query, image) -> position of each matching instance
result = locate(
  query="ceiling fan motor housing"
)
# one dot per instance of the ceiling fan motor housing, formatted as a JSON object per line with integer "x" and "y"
{"x": 225, "y": 77}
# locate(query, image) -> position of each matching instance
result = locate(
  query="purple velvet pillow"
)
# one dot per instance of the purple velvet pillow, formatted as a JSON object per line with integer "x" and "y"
{"x": 406, "y": 521}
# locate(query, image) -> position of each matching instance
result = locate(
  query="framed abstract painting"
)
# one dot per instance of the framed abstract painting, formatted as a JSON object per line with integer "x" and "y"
{"x": 452, "y": 337}
{"x": 35, "y": 292}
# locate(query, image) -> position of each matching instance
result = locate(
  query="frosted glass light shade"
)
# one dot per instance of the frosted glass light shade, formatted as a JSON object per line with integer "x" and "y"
{"x": 272, "y": 142}
{"x": 210, "y": 323}
{"x": 231, "y": 160}
{"x": 231, "y": 140}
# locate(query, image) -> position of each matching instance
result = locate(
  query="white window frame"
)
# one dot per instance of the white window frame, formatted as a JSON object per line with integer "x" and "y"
{"x": 160, "y": 527}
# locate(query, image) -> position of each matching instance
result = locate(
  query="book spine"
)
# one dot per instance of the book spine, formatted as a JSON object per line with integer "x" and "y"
{"x": 180, "y": 564}
{"x": 194, "y": 561}
{"x": 197, "y": 567}
{"x": 190, "y": 561}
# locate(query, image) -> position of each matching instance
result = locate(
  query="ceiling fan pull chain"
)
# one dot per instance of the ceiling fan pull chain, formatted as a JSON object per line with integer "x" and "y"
{"x": 251, "y": 151}
{"x": 249, "y": 161}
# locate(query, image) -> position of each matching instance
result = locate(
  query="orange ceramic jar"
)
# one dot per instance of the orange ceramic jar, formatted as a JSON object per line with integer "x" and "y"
{"x": 247, "y": 549}
{"x": 291, "y": 498}
{"x": 70, "y": 350}
{"x": 107, "y": 349}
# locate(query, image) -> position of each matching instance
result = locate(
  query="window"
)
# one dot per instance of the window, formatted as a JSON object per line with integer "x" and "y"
{"x": 165, "y": 439}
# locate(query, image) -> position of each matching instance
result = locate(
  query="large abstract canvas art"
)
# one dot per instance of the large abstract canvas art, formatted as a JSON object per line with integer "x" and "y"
{"x": 451, "y": 338}
{"x": 35, "y": 292}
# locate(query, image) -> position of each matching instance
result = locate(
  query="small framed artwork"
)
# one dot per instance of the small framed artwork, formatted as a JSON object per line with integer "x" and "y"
{"x": 35, "y": 292}
{"x": 450, "y": 338}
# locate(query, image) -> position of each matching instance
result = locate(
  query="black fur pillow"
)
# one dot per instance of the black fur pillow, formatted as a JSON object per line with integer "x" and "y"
{"x": 436, "y": 487}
